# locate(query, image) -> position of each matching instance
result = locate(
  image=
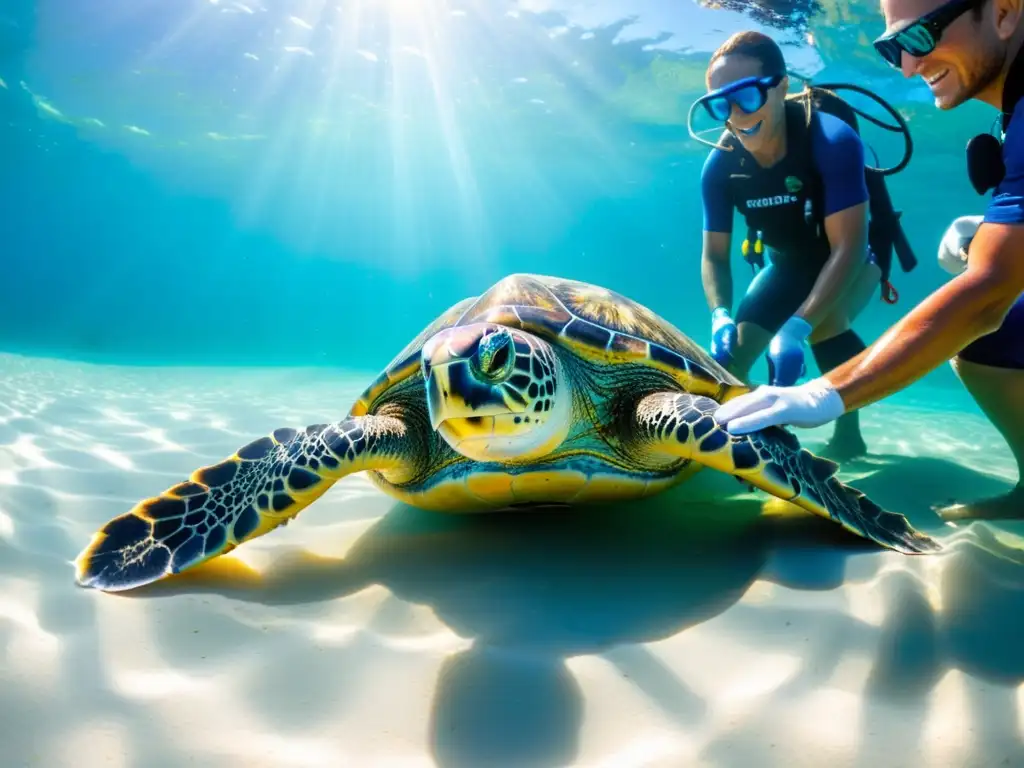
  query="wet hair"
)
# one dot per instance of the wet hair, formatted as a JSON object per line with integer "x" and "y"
{"x": 761, "y": 48}
{"x": 754, "y": 45}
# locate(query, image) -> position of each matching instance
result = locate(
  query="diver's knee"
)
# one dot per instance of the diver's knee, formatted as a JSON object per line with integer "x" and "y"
{"x": 751, "y": 338}
{"x": 834, "y": 324}
{"x": 826, "y": 331}
{"x": 751, "y": 341}
{"x": 857, "y": 299}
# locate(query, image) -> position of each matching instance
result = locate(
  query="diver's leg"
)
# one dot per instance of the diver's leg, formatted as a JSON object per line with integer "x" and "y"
{"x": 992, "y": 370}
{"x": 834, "y": 342}
{"x": 771, "y": 298}
{"x": 847, "y": 442}
{"x": 849, "y": 306}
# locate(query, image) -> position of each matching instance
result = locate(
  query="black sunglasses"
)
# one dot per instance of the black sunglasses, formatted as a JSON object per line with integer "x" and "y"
{"x": 920, "y": 37}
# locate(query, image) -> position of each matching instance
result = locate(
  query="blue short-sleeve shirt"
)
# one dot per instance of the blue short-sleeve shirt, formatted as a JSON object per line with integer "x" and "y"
{"x": 1007, "y": 204}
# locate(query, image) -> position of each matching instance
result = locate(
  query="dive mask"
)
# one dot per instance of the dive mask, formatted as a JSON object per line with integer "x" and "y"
{"x": 749, "y": 94}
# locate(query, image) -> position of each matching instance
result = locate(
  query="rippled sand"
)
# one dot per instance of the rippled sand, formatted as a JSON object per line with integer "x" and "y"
{"x": 703, "y": 628}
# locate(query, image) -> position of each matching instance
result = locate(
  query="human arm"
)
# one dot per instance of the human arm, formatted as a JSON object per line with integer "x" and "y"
{"x": 838, "y": 155}
{"x": 715, "y": 271}
{"x": 970, "y": 305}
{"x": 786, "y": 349}
{"x": 716, "y": 274}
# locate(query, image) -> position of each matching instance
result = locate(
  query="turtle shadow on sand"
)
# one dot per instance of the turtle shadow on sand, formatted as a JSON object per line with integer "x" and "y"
{"x": 534, "y": 590}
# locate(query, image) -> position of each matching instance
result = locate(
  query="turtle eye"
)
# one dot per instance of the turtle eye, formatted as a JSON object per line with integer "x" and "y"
{"x": 494, "y": 355}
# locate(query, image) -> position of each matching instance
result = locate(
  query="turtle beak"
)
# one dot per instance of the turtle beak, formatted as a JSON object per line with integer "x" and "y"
{"x": 455, "y": 390}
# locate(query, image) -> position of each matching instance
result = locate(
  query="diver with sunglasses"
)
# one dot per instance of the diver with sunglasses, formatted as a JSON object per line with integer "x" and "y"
{"x": 963, "y": 50}
{"x": 778, "y": 160}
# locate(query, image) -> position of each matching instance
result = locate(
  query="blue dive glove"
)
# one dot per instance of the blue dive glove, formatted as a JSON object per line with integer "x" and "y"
{"x": 723, "y": 336}
{"x": 786, "y": 353}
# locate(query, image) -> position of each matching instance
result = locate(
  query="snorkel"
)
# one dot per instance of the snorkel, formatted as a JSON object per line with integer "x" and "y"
{"x": 694, "y": 136}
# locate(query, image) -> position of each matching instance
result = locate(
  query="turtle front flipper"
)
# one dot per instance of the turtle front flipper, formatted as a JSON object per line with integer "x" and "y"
{"x": 264, "y": 484}
{"x": 683, "y": 425}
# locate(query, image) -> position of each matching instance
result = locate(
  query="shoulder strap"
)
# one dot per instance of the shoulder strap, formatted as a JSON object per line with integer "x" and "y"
{"x": 884, "y": 230}
{"x": 827, "y": 101}
{"x": 799, "y": 122}
{"x": 801, "y": 116}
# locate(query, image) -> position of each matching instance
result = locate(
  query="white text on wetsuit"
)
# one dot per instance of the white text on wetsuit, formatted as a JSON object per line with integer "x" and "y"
{"x": 770, "y": 202}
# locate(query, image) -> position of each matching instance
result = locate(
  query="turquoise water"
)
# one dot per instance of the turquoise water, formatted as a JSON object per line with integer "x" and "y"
{"x": 309, "y": 184}
{"x": 221, "y": 217}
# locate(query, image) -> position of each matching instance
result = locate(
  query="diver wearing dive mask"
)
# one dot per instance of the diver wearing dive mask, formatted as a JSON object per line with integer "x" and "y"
{"x": 963, "y": 50}
{"x": 797, "y": 175}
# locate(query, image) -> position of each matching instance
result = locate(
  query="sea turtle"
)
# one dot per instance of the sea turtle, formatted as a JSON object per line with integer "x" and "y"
{"x": 541, "y": 391}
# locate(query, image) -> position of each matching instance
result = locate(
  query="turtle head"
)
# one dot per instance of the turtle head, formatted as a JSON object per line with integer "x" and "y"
{"x": 495, "y": 393}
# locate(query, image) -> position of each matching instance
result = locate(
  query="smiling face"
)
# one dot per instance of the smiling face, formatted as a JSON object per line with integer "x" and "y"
{"x": 968, "y": 58}
{"x": 754, "y": 130}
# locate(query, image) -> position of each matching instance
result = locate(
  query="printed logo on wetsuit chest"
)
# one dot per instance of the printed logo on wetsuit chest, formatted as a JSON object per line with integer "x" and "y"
{"x": 771, "y": 201}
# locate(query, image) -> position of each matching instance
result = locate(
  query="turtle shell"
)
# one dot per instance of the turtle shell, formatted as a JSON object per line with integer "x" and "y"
{"x": 597, "y": 324}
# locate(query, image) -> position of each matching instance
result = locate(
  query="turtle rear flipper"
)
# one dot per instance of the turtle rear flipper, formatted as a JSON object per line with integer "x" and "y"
{"x": 684, "y": 425}
{"x": 264, "y": 484}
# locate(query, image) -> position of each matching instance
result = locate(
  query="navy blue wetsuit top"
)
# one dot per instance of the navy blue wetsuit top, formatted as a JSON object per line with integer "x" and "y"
{"x": 1004, "y": 347}
{"x": 1007, "y": 205}
{"x": 838, "y": 156}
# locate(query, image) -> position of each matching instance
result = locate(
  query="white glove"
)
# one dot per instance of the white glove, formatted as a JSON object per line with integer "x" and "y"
{"x": 956, "y": 242}
{"x": 807, "y": 405}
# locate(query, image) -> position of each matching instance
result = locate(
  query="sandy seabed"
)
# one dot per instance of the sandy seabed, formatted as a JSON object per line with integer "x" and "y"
{"x": 706, "y": 627}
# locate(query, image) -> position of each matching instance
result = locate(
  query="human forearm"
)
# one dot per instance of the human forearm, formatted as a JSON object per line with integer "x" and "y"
{"x": 928, "y": 336}
{"x": 967, "y": 307}
{"x": 717, "y": 279}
